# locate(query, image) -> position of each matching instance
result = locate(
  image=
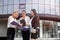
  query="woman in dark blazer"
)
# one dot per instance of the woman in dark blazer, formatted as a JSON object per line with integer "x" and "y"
{"x": 35, "y": 24}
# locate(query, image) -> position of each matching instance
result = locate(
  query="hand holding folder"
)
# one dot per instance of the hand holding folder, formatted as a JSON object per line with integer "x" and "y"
{"x": 23, "y": 22}
{"x": 14, "y": 23}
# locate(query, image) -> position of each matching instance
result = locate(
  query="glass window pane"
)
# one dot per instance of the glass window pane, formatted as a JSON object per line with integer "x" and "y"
{"x": 47, "y": 9}
{"x": 34, "y": 1}
{"x": 0, "y": 10}
{"x": 5, "y": 2}
{"x": 1, "y": 2}
{"x": 16, "y": 1}
{"x": 22, "y": 1}
{"x": 52, "y": 2}
{"x": 41, "y": 8}
{"x": 16, "y": 7}
{"x": 57, "y": 11}
{"x": 35, "y": 6}
{"x": 28, "y": 8}
{"x": 10, "y": 9}
{"x": 10, "y": 2}
{"x": 5, "y": 10}
{"x": 28, "y": 1}
{"x": 41, "y": 1}
{"x": 47, "y": 1}
{"x": 57, "y": 2}
{"x": 53, "y": 7}
{"x": 53, "y": 10}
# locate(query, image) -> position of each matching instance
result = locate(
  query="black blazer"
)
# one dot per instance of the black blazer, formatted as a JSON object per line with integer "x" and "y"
{"x": 35, "y": 22}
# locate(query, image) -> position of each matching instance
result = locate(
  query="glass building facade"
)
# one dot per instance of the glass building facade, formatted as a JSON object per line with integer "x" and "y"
{"x": 42, "y": 6}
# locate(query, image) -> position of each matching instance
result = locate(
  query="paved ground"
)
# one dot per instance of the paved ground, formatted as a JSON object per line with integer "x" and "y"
{"x": 37, "y": 39}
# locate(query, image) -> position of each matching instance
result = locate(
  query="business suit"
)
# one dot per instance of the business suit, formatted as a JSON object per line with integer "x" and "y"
{"x": 35, "y": 23}
{"x": 11, "y": 28}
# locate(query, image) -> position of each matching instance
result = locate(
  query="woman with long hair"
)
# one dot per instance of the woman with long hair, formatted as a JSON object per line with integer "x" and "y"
{"x": 35, "y": 24}
{"x": 25, "y": 29}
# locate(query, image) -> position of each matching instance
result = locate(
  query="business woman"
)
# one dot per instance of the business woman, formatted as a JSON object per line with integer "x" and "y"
{"x": 11, "y": 26}
{"x": 25, "y": 29}
{"x": 35, "y": 24}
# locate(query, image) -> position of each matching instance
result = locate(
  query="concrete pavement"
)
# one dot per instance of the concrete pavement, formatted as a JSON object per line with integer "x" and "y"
{"x": 40, "y": 39}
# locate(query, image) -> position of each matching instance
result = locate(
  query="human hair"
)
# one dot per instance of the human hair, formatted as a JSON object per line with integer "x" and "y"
{"x": 36, "y": 17}
{"x": 34, "y": 11}
{"x": 23, "y": 11}
{"x": 15, "y": 12}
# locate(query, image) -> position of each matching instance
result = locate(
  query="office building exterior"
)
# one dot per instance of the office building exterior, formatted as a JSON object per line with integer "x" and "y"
{"x": 47, "y": 8}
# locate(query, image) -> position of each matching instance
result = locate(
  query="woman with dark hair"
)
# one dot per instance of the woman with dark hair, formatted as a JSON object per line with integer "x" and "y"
{"x": 34, "y": 24}
{"x": 25, "y": 29}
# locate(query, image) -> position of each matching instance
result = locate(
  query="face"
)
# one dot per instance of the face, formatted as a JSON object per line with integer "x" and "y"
{"x": 23, "y": 13}
{"x": 32, "y": 13}
{"x": 16, "y": 14}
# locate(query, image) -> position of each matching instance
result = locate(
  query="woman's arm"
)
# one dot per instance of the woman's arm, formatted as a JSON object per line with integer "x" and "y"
{"x": 28, "y": 20}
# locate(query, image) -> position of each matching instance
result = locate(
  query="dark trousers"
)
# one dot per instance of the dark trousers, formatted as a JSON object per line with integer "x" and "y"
{"x": 10, "y": 33}
{"x": 26, "y": 35}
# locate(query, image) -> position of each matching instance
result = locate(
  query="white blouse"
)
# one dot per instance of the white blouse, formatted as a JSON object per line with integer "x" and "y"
{"x": 11, "y": 19}
{"x": 27, "y": 20}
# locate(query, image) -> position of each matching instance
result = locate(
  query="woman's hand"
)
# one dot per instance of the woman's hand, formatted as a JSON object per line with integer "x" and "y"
{"x": 17, "y": 27}
{"x": 34, "y": 31}
{"x": 21, "y": 24}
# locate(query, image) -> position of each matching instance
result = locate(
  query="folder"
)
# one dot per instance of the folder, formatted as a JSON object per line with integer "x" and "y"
{"x": 23, "y": 22}
{"x": 14, "y": 23}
